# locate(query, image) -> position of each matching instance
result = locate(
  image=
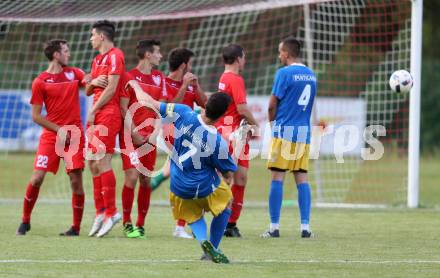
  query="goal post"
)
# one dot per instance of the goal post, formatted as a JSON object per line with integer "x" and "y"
{"x": 414, "y": 107}
{"x": 352, "y": 45}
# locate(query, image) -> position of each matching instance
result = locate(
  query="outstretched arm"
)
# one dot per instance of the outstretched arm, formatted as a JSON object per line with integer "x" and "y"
{"x": 143, "y": 97}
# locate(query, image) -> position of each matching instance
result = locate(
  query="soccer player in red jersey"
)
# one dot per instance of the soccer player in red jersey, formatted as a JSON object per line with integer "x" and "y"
{"x": 138, "y": 166}
{"x": 232, "y": 83}
{"x": 104, "y": 120}
{"x": 182, "y": 87}
{"x": 63, "y": 137}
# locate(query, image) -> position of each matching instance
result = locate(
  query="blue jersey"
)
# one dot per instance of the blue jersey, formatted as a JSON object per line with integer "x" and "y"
{"x": 295, "y": 88}
{"x": 198, "y": 153}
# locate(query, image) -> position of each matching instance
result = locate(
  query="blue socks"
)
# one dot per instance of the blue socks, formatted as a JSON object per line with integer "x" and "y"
{"x": 304, "y": 202}
{"x": 199, "y": 229}
{"x": 218, "y": 226}
{"x": 275, "y": 201}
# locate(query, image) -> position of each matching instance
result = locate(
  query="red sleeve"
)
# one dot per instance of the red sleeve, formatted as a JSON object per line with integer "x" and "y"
{"x": 79, "y": 74}
{"x": 238, "y": 91}
{"x": 37, "y": 92}
{"x": 117, "y": 66}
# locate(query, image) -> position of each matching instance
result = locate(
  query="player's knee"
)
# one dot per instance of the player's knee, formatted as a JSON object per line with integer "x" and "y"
{"x": 94, "y": 168}
{"x": 300, "y": 177}
{"x": 76, "y": 182}
{"x": 240, "y": 179}
{"x": 144, "y": 181}
{"x": 130, "y": 179}
{"x": 37, "y": 179}
{"x": 104, "y": 165}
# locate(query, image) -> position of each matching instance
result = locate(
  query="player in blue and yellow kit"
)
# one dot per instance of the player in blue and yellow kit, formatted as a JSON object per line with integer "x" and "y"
{"x": 199, "y": 156}
{"x": 290, "y": 108}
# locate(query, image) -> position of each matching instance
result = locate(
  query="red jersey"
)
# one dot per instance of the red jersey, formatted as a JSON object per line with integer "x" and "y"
{"x": 109, "y": 63}
{"x": 191, "y": 95}
{"x": 60, "y": 94}
{"x": 153, "y": 84}
{"x": 233, "y": 85}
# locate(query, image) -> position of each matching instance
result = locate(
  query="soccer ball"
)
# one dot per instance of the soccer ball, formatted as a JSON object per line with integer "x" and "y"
{"x": 401, "y": 81}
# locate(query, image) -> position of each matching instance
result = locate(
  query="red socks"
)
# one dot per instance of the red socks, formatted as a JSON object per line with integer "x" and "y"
{"x": 127, "y": 203}
{"x": 143, "y": 200}
{"x": 30, "y": 198}
{"x": 108, "y": 182}
{"x": 237, "y": 202}
{"x": 97, "y": 195}
{"x": 78, "y": 208}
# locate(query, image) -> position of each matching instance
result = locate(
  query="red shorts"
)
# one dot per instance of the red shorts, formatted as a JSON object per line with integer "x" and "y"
{"x": 243, "y": 158}
{"x": 132, "y": 158}
{"x": 102, "y": 137}
{"x": 47, "y": 159}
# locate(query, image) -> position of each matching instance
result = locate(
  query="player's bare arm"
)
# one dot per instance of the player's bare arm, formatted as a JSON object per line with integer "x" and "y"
{"x": 100, "y": 81}
{"x": 201, "y": 94}
{"x": 137, "y": 138}
{"x": 272, "y": 110}
{"x": 106, "y": 96}
{"x": 244, "y": 111}
{"x": 41, "y": 120}
{"x": 143, "y": 98}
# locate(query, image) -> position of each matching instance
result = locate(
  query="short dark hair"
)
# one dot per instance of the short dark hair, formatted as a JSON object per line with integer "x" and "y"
{"x": 178, "y": 56}
{"x": 292, "y": 46}
{"x": 231, "y": 53}
{"x": 144, "y": 46}
{"x": 106, "y": 27}
{"x": 52, "y": 46}
{"x": 217, "y": 105}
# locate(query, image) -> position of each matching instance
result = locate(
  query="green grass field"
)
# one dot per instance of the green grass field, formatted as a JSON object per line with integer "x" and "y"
{"x": 394, "y": 242}
{"x": 348, "y": 243}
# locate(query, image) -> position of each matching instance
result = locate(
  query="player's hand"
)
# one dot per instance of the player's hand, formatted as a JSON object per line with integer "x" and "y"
{"x": 100, "y": 81}
{"x": 91, "y": 118}
{"x": 189, "y": 78}
{"x": 64, "y": 134}
{"x": 254, "y": 132}
{"x": 87, "y": 78}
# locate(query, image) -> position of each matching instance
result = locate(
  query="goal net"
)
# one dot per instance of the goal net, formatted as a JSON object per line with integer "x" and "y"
{"x": 352, "y": 45}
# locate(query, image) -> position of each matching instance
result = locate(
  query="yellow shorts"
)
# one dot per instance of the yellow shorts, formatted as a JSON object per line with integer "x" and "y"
{"x": 289, "y": 156}
{"x": 192, "y": 210}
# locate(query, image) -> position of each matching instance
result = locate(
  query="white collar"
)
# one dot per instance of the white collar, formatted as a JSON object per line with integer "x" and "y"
{"x": 209, "y": 128}
{"x": 297, "y": 64}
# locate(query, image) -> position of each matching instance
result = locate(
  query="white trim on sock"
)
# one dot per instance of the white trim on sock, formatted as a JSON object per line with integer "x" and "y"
{"x": 305, "y": 227}
{"x": 274, "y": 226}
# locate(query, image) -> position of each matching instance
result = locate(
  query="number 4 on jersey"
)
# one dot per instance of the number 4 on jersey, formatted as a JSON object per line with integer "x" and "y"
{"x": 305, "y": 96}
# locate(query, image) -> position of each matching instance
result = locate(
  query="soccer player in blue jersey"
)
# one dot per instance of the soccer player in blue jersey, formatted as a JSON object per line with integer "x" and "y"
{"x": 290, "y": 108}
{"x": 198, "y": 157}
